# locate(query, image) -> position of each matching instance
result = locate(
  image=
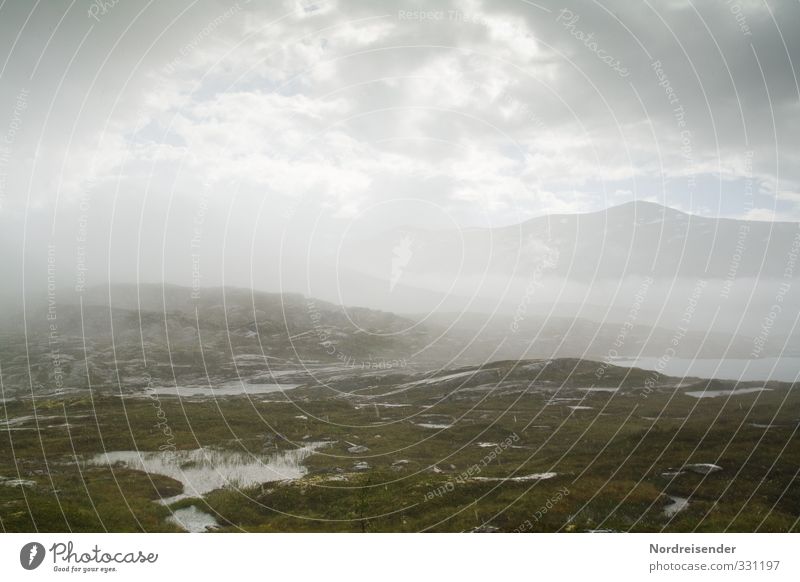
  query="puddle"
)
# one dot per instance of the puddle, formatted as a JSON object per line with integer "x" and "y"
{"x": 232, "y": 389}
{"x": 193, "y": 520}
{"x": 580, "y": 407}
{"x": 16, "y": 422}
{"x": 678, "y": 504}
{"x": 204, "y": 470}
{"x": 17, "y": 482}
{"x": 717, "y": 393}
{"x": 531, "y": 477}
{"x": 433, "y": 425}
{"x": 672, "y": 473}
{"x": 599, "y": 389}
{"x": 381, "y": 405}
{"x": 703, "y": 468}
{"x": 338, "y": 478}
{"x": 559, "y": 401}
{"x": 444, "y": 378}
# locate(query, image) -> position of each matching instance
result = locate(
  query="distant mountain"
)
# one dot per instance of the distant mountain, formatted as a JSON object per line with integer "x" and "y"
{"x": 635, "y": 239}
{"x": 124, "y": 337}
{"x": 554, "y": 286}
{"x": 590, "y": 266}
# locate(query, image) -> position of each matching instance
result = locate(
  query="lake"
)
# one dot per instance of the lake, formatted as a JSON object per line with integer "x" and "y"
{"x": 780, "y": 369}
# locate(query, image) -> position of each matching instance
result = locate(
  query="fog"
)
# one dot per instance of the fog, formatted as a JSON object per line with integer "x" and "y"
{"x": 478, "y": 162}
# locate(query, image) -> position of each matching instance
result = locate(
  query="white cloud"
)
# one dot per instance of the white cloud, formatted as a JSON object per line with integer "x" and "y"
{"x": 278, "y": 105}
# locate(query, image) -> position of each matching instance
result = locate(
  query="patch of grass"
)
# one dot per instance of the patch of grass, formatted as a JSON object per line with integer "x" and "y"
{"x": 610, "y": 457}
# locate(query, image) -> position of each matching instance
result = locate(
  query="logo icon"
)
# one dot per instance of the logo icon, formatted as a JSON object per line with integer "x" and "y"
{"x": 402, "y": 252}
{"x": 31, "y": 555}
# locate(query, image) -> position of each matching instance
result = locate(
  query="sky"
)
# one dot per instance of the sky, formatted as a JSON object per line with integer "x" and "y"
{"x": 219, "y": 128}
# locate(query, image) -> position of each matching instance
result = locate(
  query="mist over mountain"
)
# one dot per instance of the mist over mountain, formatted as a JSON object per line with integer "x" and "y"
{"x": 636, "y": 239}
{"x": 126, "y": 337}
{"x": 621, "y": 281}
{"x": 589, "y": 265}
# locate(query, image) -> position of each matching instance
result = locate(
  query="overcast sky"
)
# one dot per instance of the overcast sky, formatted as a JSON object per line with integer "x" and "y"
{"x": 138, "y": 125}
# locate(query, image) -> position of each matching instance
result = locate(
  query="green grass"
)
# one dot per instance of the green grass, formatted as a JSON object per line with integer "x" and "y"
{"x": 610, "y": 459}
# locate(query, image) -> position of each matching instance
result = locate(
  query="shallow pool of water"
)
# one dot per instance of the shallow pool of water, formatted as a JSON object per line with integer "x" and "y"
{"x": 192, "y": 519}
{"x": 231, "y": 389}
{"x": 31, "y": 419}
{"x": 204, "y": 470}
{"x": 520, "y": 479}
{"x": 718, "y": 393}
{"x": 678, "y": 504}
{"x": 703, "y": 468}
{"x": 783, "y": 369}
